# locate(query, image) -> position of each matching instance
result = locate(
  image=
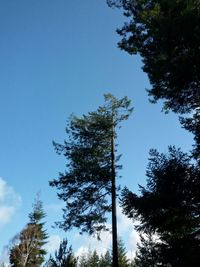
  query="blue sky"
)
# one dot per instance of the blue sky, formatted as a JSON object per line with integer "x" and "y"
{"x": 59, "y": 57}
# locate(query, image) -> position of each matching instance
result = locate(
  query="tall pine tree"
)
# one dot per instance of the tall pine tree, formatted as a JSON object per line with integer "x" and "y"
{"x": 90, "y": 179}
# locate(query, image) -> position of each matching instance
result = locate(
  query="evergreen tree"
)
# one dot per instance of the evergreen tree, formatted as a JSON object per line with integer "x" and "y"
{"x": 192, "y": 124}
{"x": 82, "y": 261}
{"x": 105, "y": 260}
{"x": 166, "y": 34}
{"x": 170, "y": 206}
{"x": 64, "y": 257}
{"x": 90, "y": 259}
{"x": 91, "y": 169}
{"x": 93, "y": 259}
{"x": 27, "y": 249}
{"x": 148, "y": 252}
{"x": 123, "y": 260}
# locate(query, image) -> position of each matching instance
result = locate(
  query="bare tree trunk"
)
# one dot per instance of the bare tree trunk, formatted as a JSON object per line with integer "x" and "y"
{"x": 115, "y": 262}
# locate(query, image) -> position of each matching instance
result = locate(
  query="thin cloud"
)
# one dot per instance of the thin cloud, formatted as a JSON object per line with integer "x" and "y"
{"x": 9, "y": 202}
{"x": 53, "y": 243}
{"x": 91, "y": 243}
{"x": 126, "y": 231}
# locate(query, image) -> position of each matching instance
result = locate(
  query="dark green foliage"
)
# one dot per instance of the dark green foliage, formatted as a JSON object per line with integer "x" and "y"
{"x": 64, "y": 257}
{"x": 170, "y": 206}
{"x": 86, "y": 185}
{"x": 105, "y": 260}
{"x": 192, "y": 124}
{"x": 148, "y": 252}
{"x": 83, "y": 261}
{"x": 123, "y": 260}
{"x": 166, "y": 33}
{"x": 27, "y": 249}
{"x": 91, "y": 259}
{"x": 36, "y": 219}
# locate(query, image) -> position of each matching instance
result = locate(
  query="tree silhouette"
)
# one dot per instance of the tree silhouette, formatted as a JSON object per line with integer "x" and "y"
{"x": 148, "y": 252}
{"x": 123, "y": 260}
{"x": 170, "y": 206}
{"x": 105, "y": 260}
{"x": 91, "y": 169}
{"x": 64, "y": 257}
{"x": 166, "y": 34}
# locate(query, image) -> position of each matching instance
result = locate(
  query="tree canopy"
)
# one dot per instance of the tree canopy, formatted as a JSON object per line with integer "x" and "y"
{"x": 166, "y": 33}
{"x": 170, "y": 206}
{"x": 148, "y": 252}
{"x": 87, "y": 182}
{"x": 88, "y": 186}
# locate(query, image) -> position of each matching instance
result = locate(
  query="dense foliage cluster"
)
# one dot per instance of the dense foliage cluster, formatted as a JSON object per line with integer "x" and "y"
{"x": 64, "y": 257}
{"x": 169, "y": 206}
{"x": 166, "y": 33}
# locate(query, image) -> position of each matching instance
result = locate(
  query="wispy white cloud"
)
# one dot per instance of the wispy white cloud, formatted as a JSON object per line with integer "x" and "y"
{"x": 133, "y": 240}
{"x": 9, "y": 202}
{"x": 126, "y": 231}
{"x": 53, "y": 243}
{"x": 91, "y": 243}
{"x": 4, "y": 257}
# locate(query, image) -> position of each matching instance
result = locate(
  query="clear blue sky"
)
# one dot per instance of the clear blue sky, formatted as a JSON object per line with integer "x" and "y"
{"x": 59, "y": 57}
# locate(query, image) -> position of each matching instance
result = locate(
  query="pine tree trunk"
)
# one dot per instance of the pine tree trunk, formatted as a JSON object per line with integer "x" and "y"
{"x": 114, "y": 212}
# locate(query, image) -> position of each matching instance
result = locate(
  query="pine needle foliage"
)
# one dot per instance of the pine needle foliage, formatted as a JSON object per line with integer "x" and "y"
{"x": 64, "y": 257}
{"x": 86, "y": 185}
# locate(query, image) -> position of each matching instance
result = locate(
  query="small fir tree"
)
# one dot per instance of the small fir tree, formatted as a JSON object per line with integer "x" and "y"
{"x": 28, "y": 246}
{"x": 105, "y": 260}
{"x": 148, "y": 252}
{"x": 64, "y": 257}
{"x": 93, "y": 259}
{"x": 123, "y": 260}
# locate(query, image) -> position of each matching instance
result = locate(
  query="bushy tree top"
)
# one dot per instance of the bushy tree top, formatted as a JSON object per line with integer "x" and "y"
{"x": 166, "y": 34}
